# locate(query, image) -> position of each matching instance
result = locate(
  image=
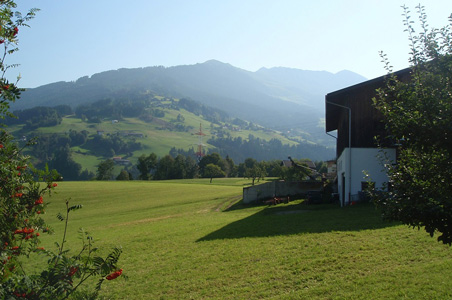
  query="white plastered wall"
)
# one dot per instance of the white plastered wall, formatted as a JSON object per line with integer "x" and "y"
{"x": 364, "y": 161}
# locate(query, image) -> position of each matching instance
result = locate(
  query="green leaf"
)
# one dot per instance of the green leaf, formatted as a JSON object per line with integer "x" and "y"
{"x": 75, "y": 207}
{"x": 60, "y": 217}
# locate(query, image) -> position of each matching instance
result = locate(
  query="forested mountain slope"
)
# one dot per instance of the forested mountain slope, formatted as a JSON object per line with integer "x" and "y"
{"x": 280, "y": 98}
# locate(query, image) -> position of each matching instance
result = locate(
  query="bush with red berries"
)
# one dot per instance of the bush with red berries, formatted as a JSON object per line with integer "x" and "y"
{"x": 24, "y": 193}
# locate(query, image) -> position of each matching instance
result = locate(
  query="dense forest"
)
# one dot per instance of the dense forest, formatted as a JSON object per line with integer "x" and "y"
{"x": 239, "y": 149}
{"x": 39, "y": 116}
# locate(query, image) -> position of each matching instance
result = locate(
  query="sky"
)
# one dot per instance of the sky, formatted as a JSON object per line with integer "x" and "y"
{"x": 69, "y": 39}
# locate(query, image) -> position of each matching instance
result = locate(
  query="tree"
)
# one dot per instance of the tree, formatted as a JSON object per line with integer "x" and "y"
{"x": 191, "y": 167}
{"x": 86, "y": 175}
{"x": 213, "y": 158}
{"x": 254, "y": 170}
{"x": 123, "y": 175}
{"x": 213, "y": 171}
{"x": 418, "y": 115}
{"x": 298, "y": 171}
{"x": 78, "y": 138}
{"x": 165, "y": 168}
{"x": 146, "y": 164}
{"x": 23, "y": 200}
{"x": 321, "y": 166}
{"x": 105, "y": 170}
{"x": 231, "y": 169}
{"x": 180, "y": 167}
{"x": 180, "y": 118}
{"x": 62, "y": 161}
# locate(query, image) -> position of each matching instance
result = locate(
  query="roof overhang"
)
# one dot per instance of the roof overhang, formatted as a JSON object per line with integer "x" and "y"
{"x": 341, "y": 97}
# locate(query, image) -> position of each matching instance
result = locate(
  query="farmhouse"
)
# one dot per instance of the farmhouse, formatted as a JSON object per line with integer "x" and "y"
{"x": 120, "y": 161}
{"x": 358, "y": 123}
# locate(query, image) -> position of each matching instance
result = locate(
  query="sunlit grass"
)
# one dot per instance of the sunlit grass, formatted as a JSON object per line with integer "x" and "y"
{"x": 189, "y": 239}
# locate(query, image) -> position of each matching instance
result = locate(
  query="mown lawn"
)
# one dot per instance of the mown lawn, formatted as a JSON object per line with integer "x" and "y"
{"x": 190, "y": 239}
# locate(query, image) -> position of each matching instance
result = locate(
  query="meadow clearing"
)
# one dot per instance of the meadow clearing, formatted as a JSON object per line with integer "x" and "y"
{"x": 188, "y": 239}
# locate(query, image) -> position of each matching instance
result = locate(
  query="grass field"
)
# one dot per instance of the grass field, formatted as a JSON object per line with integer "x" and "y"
{"x": 193, "y": 240}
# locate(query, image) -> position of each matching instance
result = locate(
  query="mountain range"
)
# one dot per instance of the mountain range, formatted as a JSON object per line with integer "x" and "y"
{"x": 279, "y": 98}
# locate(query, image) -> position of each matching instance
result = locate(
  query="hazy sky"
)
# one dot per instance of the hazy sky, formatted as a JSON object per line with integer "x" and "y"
{"x": 69, "y": 39}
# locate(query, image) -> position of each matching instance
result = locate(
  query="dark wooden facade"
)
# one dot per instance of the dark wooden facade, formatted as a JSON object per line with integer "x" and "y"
{"x": 366, "y": 122}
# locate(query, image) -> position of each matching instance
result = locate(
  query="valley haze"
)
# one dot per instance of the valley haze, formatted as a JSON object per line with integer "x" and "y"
{"x": 279, "y": 98}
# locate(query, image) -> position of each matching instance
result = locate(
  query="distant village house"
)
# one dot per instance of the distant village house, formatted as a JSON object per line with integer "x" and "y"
{"x": 120, "y": 161}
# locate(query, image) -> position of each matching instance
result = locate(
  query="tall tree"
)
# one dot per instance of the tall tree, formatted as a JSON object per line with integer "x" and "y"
{"x": 418, "y": 115}
{"x": 252, "y": 169}
{"x": 105, "y": 170}
{"x": 62, "y": 161}
{"x": 213, "y": 171}
{"x": 165, "y": 168}
{"x": 213, "y": 158}
{"x": 23, "y": 199}
{"x": 123, "y": 175}
{"x": 146, "y": 164}
{"x": 180, "y": 167}
{"x": 231, "y": 169}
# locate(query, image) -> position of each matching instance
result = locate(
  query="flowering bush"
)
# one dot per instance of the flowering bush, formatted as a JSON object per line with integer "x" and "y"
{"x": 23, "y": 194}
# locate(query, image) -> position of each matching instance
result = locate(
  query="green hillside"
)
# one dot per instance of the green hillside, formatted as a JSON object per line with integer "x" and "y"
{"x": 173, "y": 127}
{"x": 188, "y": 239}
{"x": 279, "y": 98}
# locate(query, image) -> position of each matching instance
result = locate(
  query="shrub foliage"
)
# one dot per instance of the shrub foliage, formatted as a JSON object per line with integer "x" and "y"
{"x": 418, "y": 115}
{"x": 24, "y": 193}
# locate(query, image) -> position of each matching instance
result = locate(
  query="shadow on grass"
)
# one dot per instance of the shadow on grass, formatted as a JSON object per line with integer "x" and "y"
{"x": 296, "y": 219}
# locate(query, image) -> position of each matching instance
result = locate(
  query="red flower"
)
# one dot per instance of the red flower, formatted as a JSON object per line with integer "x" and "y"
{"x": 16, "y": 30}
{"x": 2, "y": 41}
{"x": 114, "y": 275}
{"x": 1, "y": 146}
{"x": 15, "y": 248}
{"x": 5, "y": 87}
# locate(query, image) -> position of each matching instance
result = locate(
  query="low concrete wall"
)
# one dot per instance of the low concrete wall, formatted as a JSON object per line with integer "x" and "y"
{"x": 267, "y": 190}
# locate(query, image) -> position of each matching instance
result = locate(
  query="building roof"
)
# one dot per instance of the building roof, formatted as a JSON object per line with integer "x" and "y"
{"x": 365, "y": 120}
{"x": 341, "y": 97}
